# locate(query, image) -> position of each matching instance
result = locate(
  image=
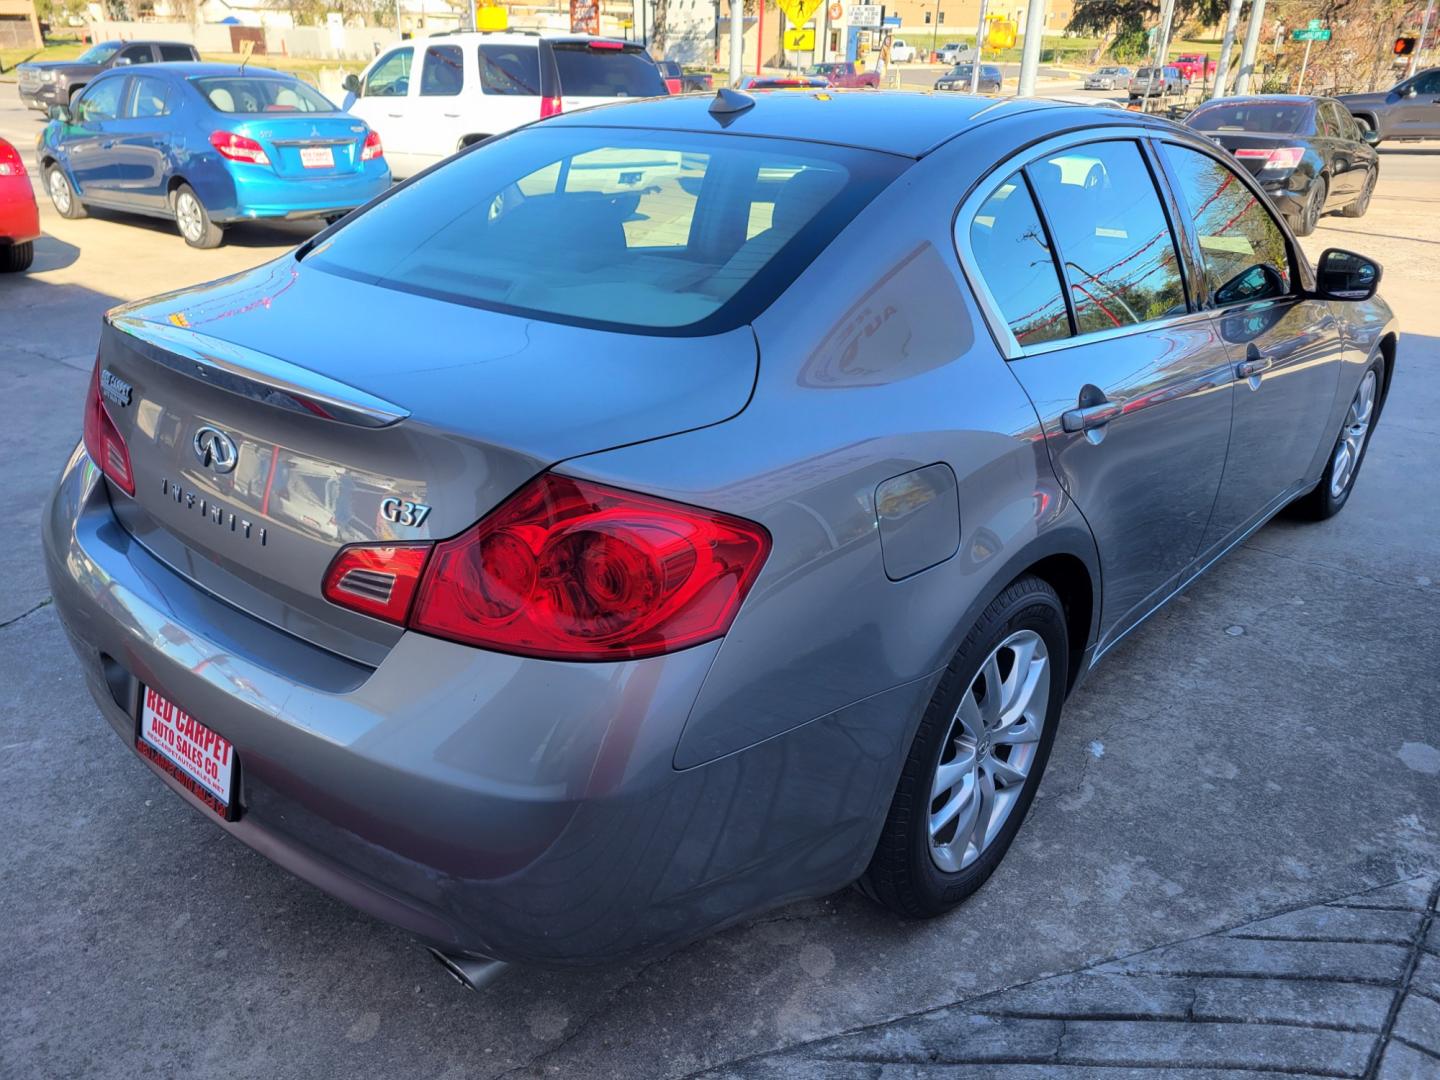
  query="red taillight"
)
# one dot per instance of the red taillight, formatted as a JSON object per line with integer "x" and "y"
{"x": 239, "y": 148}
{"x": 606, "y": 44}
{"x": 103, "y": 441}
{"x": 551, "y": 106}
{"x": 571, "y": 570}
{"x": 378, "y": 579}
{"x": 1284, "y": 157}
{"x": 673, "y": 85}
{"x": 372, "y": 148}
{"x": 11, "y": 163}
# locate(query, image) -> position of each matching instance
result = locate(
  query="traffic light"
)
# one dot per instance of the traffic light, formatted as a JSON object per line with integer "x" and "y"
{"x": 1405, "y": 46}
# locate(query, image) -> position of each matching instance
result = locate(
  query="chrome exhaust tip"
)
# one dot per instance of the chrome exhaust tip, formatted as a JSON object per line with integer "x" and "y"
{"x": 471, "y": 972}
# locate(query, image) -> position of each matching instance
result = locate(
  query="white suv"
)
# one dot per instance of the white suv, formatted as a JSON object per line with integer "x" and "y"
{"x": 432, "y": 97}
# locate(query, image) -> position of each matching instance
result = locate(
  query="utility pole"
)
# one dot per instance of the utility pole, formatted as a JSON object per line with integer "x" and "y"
{"x": 1420, "y": 45}
{"x": 1252, "y": 45}
{"x": 1158, "y": 52}
{"x": 979, "y": 49}
{"x": 1030, "y": 54}
{"x": 1304, "y": 64}
{"x": 737, "y": 40}
{"x": 1227, "y": 45}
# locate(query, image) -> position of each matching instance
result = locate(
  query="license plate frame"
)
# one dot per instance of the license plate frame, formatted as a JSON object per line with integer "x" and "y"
{"x": 174, "y": 741}
{"x": 317, "y": 157}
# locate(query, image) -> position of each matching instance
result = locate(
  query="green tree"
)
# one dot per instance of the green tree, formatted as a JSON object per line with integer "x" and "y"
{"x": 1105, "y": 16}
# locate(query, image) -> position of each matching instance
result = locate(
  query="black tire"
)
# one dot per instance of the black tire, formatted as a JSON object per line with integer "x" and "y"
{"x": 1362, "y": 201}
{"x": 902, "y": 874}
{"x": 16, "y": 257}
{"x": 1322, "y": 501}
{"x": 1309, "y": 215}
{"x": 63, "y": 195}
{"x": 193, "y": 220}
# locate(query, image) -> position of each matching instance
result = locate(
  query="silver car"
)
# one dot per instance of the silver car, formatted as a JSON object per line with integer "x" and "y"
{"x": 658, "y": 515}
{"x": 1108, "y": 78}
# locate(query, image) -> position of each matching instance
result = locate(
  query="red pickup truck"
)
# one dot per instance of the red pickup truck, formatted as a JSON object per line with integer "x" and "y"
{"x": 843, "y": 73}
{"x": 1196, "y": 67}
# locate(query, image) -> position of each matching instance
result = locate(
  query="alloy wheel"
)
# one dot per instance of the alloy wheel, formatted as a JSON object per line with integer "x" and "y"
{"x": 1312, "y": 208}
{"x": 988, "y": 752}
{"x": 59, "y": 190}
{"x": 189, "y": 216}
{"x": 1353, "y": 435}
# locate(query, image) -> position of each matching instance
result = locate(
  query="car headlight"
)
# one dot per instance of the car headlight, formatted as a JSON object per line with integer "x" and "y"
{"x": 47, "y": 76}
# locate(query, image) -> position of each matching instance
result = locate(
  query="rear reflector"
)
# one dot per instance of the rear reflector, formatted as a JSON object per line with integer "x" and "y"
{"x": 1284, "y": 157}
{"x": 377, "y": 579}
{"x": 103, "y": 441}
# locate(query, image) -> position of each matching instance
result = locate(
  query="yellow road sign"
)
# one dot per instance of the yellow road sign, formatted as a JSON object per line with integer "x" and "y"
{"x": 800, "y": 12}
{"x": 800, "y": 40}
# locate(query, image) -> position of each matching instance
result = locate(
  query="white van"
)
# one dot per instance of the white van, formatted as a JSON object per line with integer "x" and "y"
{"x": 433, "y": 96}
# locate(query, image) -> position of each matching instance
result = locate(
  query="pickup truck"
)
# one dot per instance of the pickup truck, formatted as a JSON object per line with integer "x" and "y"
{"x": 843, "y": 74}
{"x": 55, "y": 82}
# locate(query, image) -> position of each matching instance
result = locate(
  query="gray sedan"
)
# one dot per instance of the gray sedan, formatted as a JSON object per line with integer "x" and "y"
{"x": 659, "y": 514}
{"x": 961, "y": 75}
{"x": 1108, "y": 78}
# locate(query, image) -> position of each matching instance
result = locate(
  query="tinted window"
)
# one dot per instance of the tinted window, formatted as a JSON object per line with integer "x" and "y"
{"x": 600, "y": 227}
{"x": 444, "y": 73}
{"x": 1269, "y": 119}
{"x": 1240, "y": 243}
{"x": 1326, "y": 123}
{"x": 244, "y": 94}
{"x": 101, "y": 101}
{"x": 136, "y": 54}
{"x": 1349, "y": 129}
{"x": 1107, "y": 221}
{"x": 510, "y": 69}
{"x": 390, "y": 77}
{"x": 1428, "y": 82}
{"x": 176, "y": 52}
{"x": 587, "y": 72}
{"x": 148, "y": 97}
{"x": 1013, "y": 257}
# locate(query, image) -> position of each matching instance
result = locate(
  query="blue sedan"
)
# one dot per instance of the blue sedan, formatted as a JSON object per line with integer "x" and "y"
{"x": 208, "y": 144}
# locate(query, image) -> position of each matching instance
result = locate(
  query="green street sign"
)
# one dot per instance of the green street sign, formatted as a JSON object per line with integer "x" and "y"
{"x": 1316, "y": 24}
{"x": 1309, "y": 35}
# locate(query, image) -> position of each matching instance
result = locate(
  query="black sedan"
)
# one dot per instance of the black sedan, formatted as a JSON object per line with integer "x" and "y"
{"x": 1307, "y": 152}
{"x": 959, "y": 77}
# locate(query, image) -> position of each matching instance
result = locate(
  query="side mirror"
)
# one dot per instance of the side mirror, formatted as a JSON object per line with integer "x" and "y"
{"x": 121, "y": 61}
{"x": 351, "y": 84}
{"x": 1343, "y": 275}
{"x": 61, "y": 113}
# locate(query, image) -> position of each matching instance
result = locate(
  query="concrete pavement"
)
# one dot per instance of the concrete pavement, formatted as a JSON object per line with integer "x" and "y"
{"x": 1269, "y": 744}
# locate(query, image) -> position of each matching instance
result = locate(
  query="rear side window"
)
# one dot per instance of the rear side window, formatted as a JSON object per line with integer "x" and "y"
{"x": 1016, "y": 263}
{"x": 647, "y": 231}
{"x": 244, "y": 94}
{"x": 1243, "y": 250}
{"x": 136, "y": 54}
{"x": 176, "y": 52}
{"x": 607, "y": 73}
{"x": 1120, "y": 264}
{"x": 444, "y": 72}
{"x": 510, "y": 69}
{"x": 147, "y": 97}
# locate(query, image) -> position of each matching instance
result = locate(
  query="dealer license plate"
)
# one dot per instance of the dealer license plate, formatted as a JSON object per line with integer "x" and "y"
{"x": 317, "y": 157}
{"x": 202, "y": 760}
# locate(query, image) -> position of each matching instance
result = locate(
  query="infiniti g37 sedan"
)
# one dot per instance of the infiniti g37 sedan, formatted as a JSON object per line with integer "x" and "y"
{"x": 656, "y": 515}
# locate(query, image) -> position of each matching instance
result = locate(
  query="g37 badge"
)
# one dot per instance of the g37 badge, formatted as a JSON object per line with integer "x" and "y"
{"x": 404, "y": 512}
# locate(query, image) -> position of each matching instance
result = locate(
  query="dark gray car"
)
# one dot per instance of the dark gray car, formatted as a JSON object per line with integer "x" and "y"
{"x": 662, "y": 513}
{"x": 961, "y": 76}
{"x": 43, "y": 83}
{"x": 1408, "y": 110}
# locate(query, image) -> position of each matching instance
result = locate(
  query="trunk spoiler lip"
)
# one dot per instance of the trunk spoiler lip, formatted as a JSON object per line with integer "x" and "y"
{"x": 255, "y": 375}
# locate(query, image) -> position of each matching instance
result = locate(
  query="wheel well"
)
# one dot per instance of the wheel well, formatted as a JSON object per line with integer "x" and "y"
{"x": 471, "y": 140}
{"x": 1387, "y": 350}
{"x": 1070, "y": 579}
{"x": 176, "y": 182}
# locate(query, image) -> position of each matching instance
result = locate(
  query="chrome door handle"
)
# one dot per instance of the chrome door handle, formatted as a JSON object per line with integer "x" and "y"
{"x": 1255, "y": 363}
{"x": 394, "y": 115}
{"x": 452, "y": 116}
{"x": 1090, "y": 417}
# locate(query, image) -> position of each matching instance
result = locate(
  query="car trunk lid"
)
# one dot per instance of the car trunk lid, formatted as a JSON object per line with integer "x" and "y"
{"x": 307, "y": 146}
{"x": 1267, "y": 157}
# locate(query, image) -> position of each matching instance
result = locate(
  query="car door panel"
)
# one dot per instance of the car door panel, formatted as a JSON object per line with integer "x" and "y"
{"x": 437, "y": 111}
{"x": 140, "y": 141}
{"x": 89, "y": 142}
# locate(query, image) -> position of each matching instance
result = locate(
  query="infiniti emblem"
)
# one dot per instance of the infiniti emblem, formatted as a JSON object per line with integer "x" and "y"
{"x": 215, "y": 449}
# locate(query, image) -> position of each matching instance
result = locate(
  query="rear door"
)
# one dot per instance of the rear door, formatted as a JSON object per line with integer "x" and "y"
{"x": 1286, "y": 349}
{"x": 437, "y": 115}
{"x": 1346, "y": 173}
{"x": 141, "y": 138}
{"x": 1131, "y": 385}
{"x": 598, "y": 72}
{"x": 384, "y": 102}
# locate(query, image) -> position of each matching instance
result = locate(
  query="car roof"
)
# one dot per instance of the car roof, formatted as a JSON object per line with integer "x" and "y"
{"x": 909, "y": 123}
{"x": 522, "y": 37}
{"x": 1263, "y": 99}
{"x": 187, "y": 69}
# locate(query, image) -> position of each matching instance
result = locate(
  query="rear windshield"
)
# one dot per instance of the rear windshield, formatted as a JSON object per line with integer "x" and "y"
{"x": 650, "y": 232}
{"x": 587, "y": 72}
{"x": 1270, "y": 119}
{"x": 246, "y": 94}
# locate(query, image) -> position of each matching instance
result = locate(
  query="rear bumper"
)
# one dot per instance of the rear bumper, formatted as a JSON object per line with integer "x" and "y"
{"x": 499, "y": 807}
{"x": 19, "y": 216}
{"x": 293, "y": 198}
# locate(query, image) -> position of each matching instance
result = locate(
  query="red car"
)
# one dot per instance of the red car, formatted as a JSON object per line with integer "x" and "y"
{"x": 844, "y": 74}
{"x": 19, "y": 216}
{"x": 1196, "y": 67}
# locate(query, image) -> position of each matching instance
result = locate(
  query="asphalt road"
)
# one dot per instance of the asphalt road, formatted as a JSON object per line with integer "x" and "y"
{"x": 1268, "y": 744}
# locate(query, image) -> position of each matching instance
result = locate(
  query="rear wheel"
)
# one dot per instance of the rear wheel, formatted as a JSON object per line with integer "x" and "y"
{"x": 1362, "y": 201}
{"x": 17, "y": 257}
{"x": 193, "y": 220}
{"x": 1314, "y": 206}
{"x": 977, "y": 756}
{"x": 1329, "y": 496}
{"x": 63, "y": 194}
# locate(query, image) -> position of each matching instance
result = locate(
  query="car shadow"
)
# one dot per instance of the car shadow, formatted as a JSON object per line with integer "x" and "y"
{"x": 52, "y": 253}
{"x": 245, "y": 234}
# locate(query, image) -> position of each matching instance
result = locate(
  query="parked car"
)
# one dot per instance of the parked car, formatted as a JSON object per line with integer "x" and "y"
{"x": 1155, "y": 82}
{"x": 1408, "y": 110}
{"x": 44, "y": 83}
{"x": 784, "y": 82}
{"x": 1307, "y": 152}
{"x": 1089, "y": 103}
{"x": 474, "y": 85}
{"x": 208, "y": 145}
{"x": 19, "y": 216}
{"x": 1108, "y": 78}
{"x": 620, "y": 623}
{"x": 952, "y": 51}
{"x": 960, "y": 77}
{"x": 673, "y": 75}
{"x": 900, "y": 52}
{"x": 843, "y": 73}
{"x": 1196, "y": 67}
